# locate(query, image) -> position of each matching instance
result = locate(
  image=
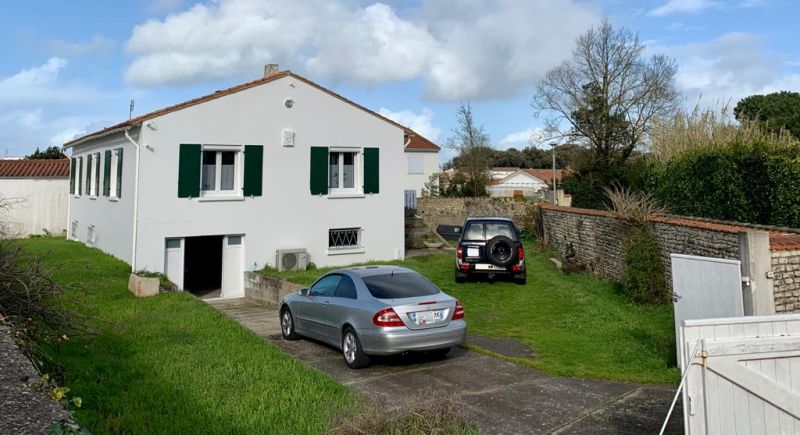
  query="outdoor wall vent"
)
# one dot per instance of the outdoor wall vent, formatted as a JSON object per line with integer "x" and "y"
{"x": 291, "y": 259}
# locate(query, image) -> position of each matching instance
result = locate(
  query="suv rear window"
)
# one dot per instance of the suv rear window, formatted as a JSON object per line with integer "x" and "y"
{"x": 399, "y": 285}
{"x": 483, "y": 231}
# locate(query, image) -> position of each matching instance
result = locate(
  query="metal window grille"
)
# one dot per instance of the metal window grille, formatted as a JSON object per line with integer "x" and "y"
{"x": 343, "y": 237}
{"x": 74, "y": 230}
{"x": 90, "y": 235}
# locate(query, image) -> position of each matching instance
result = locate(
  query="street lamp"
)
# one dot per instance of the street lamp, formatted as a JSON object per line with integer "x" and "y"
{"x": 555, "y": 188}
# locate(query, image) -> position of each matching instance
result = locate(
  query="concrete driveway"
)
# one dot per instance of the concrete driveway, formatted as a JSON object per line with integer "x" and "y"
{"x": 503, "y": 397}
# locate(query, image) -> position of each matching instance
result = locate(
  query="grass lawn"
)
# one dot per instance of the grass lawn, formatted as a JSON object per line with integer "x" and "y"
{"x": 579, "y": 326}
{"x": 172, "y": 364}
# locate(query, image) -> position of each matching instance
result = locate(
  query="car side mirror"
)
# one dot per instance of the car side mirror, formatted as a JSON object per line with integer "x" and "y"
{"x": 303, "y": 292}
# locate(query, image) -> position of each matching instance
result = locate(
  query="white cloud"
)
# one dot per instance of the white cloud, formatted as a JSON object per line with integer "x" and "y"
{"x": 730, "y": 67}
{"x": 522, "y": 139}
{"x": 422, "y": 123}
{"x": 681, "y": 6}
{"x": 478, "y": 50}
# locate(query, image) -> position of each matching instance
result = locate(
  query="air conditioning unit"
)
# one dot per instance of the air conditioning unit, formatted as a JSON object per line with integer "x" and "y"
{"x": 291, "y": 259}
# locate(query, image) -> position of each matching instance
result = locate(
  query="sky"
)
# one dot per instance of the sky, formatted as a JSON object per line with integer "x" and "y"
{"x": 74, "y": 68}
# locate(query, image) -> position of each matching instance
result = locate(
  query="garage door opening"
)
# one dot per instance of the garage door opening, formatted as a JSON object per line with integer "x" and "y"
{"x": 202, "y": 272}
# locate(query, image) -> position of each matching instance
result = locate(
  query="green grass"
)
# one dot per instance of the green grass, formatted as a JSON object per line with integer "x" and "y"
{"x": 172, "y": 364}
{"x": 578, "y": 325}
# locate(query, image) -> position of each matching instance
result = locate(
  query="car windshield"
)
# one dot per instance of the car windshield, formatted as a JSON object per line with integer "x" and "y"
{"x": 487, "y": 230}
{"x": 399, "y": 285}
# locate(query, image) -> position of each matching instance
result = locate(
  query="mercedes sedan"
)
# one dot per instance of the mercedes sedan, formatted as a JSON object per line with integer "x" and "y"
{"x": 374, "y": 310}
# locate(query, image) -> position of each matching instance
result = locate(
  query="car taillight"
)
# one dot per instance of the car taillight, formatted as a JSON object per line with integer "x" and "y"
{"x": 460, "y": 252}
{"x": 459, "y": 311}
{"x": 520, "y": 254}
{"x": 387, "y": 317}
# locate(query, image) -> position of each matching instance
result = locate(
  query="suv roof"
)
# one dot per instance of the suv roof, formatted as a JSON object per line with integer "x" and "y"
{"x": 488, "y": 218}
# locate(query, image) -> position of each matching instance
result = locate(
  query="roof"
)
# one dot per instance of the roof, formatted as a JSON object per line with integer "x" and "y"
{"x": 504, "y": 169}
{"x": 545, "y": 175}
{"x": 417, "y": 141}
{"x": 37, "y": 168}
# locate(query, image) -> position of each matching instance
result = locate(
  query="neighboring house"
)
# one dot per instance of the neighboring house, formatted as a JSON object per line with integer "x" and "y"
{"x": 499, "y": 173}
{"x": 523, "y": 182}
{"x": 214, "y": 186}
{"x": 422, "y": 161}
{"x": 35, "y": 196}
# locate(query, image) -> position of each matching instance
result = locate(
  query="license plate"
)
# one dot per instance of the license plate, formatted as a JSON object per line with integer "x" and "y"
{"x": 426, "y": 317}
{"x": 486, "y": 267}
{"x": 473, "y": 252}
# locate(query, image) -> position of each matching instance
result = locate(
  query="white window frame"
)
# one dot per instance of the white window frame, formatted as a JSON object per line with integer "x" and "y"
{"x": 419, "y": 160}
{"x": 358, "y": 184}
{"x": 238, "y": 172}
{"x": 350, "y": 249}
{"x": 94, "y": 185}
{"x": 112, "y": 186}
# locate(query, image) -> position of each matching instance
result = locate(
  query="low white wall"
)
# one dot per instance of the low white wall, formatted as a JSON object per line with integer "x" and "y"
{"x": 37, "y": 205}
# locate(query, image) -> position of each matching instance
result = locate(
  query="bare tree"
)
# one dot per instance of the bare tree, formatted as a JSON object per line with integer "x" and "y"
{"x": 608, "y": 94}
{"x": 474, "y": 152}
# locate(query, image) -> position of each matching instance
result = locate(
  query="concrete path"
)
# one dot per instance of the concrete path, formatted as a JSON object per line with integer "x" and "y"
{"x": 503, "y": 397}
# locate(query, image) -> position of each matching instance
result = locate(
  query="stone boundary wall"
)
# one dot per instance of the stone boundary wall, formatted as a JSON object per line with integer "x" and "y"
{"x": 267, "y": 290}
{"x": 596, "y": 237}
{"x": 453, "y": 211}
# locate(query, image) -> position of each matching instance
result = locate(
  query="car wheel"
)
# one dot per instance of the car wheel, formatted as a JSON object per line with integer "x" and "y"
{"x": 287, "y": 325}
{"x": 521, "y": 279}
{"x": 460, "y": 277}
{"x": 354, "y": 355}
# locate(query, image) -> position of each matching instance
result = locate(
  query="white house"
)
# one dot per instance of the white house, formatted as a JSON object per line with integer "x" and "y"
{"x": 523, "y": 182}
{"x": 34, "y": 196}
{"x": 422, "y": 161}
{"x": 214, "y": 186}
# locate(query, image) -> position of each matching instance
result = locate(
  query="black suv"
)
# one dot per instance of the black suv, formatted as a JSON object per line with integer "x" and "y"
{"x": 490, "y": 246}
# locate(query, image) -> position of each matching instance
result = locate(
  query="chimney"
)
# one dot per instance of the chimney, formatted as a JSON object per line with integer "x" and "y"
{"x": 270, "y": 69}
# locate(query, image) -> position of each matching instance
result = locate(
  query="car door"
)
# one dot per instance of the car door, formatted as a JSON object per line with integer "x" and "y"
{"x": 342, "y": 306}
{"x": 315, "y": 313}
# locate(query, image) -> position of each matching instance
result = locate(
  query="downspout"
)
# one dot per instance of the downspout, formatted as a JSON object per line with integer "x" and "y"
{"x": 135, "y": 200}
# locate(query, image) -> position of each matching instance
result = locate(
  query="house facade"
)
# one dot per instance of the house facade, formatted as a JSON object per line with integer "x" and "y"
{"x": 421, "y": 162}
{"x": 210, "y": 188}
{"x": 521, "y": 182}
{"x": 35, "y": 196}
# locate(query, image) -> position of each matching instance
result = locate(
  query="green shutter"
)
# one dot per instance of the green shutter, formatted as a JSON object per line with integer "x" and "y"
{"x": 253, "y": 168}
{"x": 88, "y": 174}
{"x": 119, "y": 172}
{"x": 107, "y": 173}
{"x": 189, "y": 171}
{"x": 80, "y": 175}
{"x": 319, "y": 170}
{"x": 97, "y": 175}
{"x": 371, "y": 170}
{"x": 73, "y": 161}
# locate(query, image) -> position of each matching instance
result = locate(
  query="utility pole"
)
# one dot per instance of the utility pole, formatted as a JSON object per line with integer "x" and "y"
{"x": 555, "y": 188}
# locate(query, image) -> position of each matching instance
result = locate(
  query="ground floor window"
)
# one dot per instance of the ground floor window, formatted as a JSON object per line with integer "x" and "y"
{"x": 344, "y": 238}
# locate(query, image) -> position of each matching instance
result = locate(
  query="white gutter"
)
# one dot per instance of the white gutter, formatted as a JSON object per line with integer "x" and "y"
{"x": 135, "y": 200}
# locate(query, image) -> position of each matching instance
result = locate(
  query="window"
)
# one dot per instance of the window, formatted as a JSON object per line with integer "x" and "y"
{"x": 399, "y": 285}
{"x": 488, "y": 230}
{"x": 90, "y": 235}
{"x": 415, "y": 163}
{"x": 96, "y": 174}
{"x": 88, "y": 175}
{"x": 219, "y": 172}
{"x": 326, "y": 286}
{"x": 80, "y": 175}
{"x": 173, "y": 243}
{"x": 73, "y": 230}
{"x": 344, "y": 238}
{"x": 346, "y": 288}
{"x": 112, "y": 185}
{"x": 342, "y": 170}
{"x": 234, "y": 240}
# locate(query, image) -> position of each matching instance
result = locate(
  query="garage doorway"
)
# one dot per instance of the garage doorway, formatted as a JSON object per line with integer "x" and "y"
{"x": 202, "y": 266}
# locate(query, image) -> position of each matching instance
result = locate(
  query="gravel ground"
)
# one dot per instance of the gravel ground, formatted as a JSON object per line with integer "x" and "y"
{"x": 23, "y": 408}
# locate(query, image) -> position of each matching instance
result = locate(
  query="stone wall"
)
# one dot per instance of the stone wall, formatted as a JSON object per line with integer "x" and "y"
{"x": 786, "y": 280}
{"x": 453, "y": 211}
{"x": 266, "y": 289}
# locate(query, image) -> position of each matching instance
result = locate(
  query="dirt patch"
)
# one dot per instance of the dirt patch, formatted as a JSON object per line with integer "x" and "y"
{"x": 504, "y": 346}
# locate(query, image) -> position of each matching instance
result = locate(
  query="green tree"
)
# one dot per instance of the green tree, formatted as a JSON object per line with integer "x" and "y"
{"x": 471, "y": 143}
{"x": 52, "y": 152}
{"x": 773, "y": 112}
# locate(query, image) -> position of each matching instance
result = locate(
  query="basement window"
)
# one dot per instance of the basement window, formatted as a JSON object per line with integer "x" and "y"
{"x": 344, "y": 238}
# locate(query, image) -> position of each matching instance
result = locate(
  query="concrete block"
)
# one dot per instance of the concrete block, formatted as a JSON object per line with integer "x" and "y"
{"x": 142, "y": 287}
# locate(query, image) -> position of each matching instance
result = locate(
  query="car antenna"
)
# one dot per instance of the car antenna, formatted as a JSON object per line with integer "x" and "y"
{"x": 392, "y": 273}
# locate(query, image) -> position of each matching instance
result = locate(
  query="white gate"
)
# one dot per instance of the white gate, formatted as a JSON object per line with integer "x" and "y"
{"x": 744, "y": 375}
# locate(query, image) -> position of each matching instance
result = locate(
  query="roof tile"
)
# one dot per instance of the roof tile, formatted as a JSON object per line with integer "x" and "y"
{"x": 38, "y": 168}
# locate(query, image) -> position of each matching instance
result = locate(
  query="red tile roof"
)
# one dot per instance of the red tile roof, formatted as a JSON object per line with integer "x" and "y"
{"x": 546, "y": 174}
{"x": 40, "y": 168}
{"x": 417, "y": 141}
{"x": 778, "y": 240}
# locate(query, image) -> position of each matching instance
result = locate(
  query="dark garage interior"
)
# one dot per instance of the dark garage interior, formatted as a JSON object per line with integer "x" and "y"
{"x": 202, "y": 265}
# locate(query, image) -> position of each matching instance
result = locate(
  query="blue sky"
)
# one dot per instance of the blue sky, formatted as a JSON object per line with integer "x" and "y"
{"x": 75, "y": 67}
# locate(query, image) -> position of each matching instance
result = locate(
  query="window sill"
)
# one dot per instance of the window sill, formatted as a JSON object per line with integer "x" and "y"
{"x": 345, "y": 195}
{"x": 113, "y": 199}
{"x": 93, "y": 198}
{"x": 219, "y": 198}
{"x": 343, "y": 251}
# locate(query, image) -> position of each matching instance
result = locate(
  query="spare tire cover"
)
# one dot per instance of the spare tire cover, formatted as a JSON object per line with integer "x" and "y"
{"x": 500, "y": 251}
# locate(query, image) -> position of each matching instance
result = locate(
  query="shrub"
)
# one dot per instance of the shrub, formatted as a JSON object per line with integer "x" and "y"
{"x": 644, "y": 279}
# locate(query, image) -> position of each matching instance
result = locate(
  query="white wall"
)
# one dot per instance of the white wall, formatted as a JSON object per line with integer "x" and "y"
{"x": 286, "y": 215}
{"x": 112, "y": 218}
{"x": 35, "y": 205}
{"x": 430, "y": 165}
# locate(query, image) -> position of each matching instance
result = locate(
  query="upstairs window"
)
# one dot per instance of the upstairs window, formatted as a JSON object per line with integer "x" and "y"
{"x": 342, "y": 172}
{"x": 219, "y": 174}
{"x": 415, "y": 163}
{"x": 224, "y": 171}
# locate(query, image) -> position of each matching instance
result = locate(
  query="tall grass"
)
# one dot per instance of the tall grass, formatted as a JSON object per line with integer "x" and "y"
{"x": 707, "y": 127}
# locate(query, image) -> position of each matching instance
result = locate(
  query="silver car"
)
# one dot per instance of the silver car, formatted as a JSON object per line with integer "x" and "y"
{"x": 374, "y": 310}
